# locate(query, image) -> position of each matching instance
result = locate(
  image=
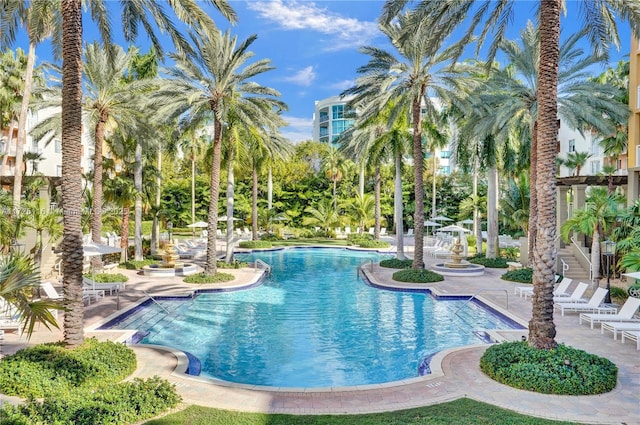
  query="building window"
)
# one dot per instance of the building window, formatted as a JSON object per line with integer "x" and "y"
{"x": 58, "y": 145}
{"x": 572, "y": 145}
{"x": 324, "y": 131}
{"x": 3, "y": 146}
{"x": 58, "y": 170}
{"x": 338, "y": 111}
{"x": 445, "y": 154}
{"x": 427, "y": 155}
{"x": 324, "y": 117}
{"x": 339, "y": 126}
{"x": 595, "y": 167}
{"x": 445, "y": 169}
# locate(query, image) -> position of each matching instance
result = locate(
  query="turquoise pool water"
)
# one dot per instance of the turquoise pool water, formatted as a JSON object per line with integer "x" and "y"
{"x": 313, "y": 323}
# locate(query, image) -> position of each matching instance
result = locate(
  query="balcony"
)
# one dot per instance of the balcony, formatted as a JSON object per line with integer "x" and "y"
{"x": 324, "y": 117}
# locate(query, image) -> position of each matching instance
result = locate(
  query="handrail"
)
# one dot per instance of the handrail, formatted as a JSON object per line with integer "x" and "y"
{"x": 478, "y": 293}
{"x": 573, "y": 241}
{"x": 565, "y": 267}
{"x": 261, "y": 264}
{"x": 154, "y": 300}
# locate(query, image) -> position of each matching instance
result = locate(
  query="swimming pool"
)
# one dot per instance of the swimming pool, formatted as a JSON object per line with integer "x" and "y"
{"x": 313, "y": 323}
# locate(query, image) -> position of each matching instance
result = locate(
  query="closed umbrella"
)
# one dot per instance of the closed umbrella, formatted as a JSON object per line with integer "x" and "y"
{"x": 200, "y": 224}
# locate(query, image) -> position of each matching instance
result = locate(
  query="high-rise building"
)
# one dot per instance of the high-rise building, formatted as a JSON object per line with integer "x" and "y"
{"x": 331, "y": 118}
{"x": 633, "y": 145}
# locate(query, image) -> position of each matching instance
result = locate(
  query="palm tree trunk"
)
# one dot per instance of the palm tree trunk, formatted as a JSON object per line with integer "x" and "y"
{"x": 230, "y": 205}
{"x": 434, "y": 212}
{"x": 376, "y": 213}
{"x": 71, "y": 172}
{"x": 137, "y": 227}
{"x": 5, "y": 154}
{"x": 155, "y": 230}
{"x": 533, "y": 194}
{"x": 398, "y": 210}
{"x": 254, "y": 204}
{"x": 418, "y": 173}
{"x": 124, "y": 233}
{"x": 595, "y": 255}
{"x": 22, "y": 125}
{"x": 193, "y": 189}
{"x": 96, "y": 216}
{"x": 542, "y": 330}
{"x": 270, "y": 188}
{"x": 361, "y": 179}
{"x": 492, "y": 212}
{"x": 211, "y": 267}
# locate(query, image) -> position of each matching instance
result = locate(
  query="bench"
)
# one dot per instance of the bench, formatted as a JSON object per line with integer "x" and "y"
{"x": 513, "y": 265}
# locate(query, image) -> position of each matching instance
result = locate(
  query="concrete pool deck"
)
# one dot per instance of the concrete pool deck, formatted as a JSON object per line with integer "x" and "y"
{"x": 455, "y": 372}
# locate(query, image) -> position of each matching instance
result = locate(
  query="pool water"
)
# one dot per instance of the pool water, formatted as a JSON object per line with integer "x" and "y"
{"x": 313, "y": 323}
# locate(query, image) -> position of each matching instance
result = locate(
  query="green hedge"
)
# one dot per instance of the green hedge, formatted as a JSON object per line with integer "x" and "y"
{"x": 563, "y": 370}
{"x": 373, "y": 244}
{"x": 47, "y": 369}
{"x": 394, "y": 263}
{"x": 107, "y": 277}
{"x": 494, "y": 263}
{"x": 524, "y": 275}
{"x": 255, "y": 244}
{"x": 417, "y": 276}
{"x": 209, "y": 278}
{"x": 137, "y": 265}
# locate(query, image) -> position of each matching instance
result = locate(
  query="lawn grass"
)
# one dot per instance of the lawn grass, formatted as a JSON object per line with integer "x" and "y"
{"x": 460, "y": 412}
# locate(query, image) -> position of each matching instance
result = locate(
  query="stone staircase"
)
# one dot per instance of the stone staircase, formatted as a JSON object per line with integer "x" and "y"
{"x": 575, "y": 271}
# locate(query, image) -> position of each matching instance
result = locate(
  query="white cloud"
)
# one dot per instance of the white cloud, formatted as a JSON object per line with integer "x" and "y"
{"x": 298, "y": 129}
{"x": 303, "y": 77}
{"x": 342, "y": 85}
{"x": 296, "y": 15}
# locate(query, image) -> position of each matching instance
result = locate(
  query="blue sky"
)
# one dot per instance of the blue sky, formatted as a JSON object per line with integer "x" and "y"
{"x": 314, "y": 46}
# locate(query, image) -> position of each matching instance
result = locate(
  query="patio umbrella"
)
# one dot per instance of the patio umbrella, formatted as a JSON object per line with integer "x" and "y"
{"x": 91, "y": 249}
{"x": 198, "y": 224}
{"x": 634, "y": 275}
{"x": 441, "y": 218}
{"x": 467, "y": 221}
{"x": 454, "y": 228}
{"x": 429, "y": 223}
{"x": 224, "y": 218}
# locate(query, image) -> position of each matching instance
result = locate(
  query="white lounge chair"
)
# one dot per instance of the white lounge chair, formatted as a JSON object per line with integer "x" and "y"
{"x": 9, "y": 318}
{"x": 616, "y": 327}
{"x": 593, "y": 306}
{"x": 103, "y": 286}
{"x": 383, "y": 231}
{"x": 561, "y": 290}
{"x": 625, "y": 314}
{"x": 409, "y": 233}
{"x": 635, "y": 335}
{"x": 576, "y": 295}
{"x": 50, "y": 291}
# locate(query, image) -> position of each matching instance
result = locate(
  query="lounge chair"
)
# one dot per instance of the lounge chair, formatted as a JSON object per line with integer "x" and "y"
{"x": 50, "y": 291}
{"x": 635, "y": 335}
{"x": 625, "y": 314}
{"x": 9, "y": 318}
{"x": 593, "y": 306}
{"x": 87, "y": 293}
{"x": 560, "y": 291}
{"x": 576, "y": 295}
{"x": 383, "y": 231}
{"x": 616, "y": 327}
{"x": 103, "y": 286}
{"x": 409, "y": 233}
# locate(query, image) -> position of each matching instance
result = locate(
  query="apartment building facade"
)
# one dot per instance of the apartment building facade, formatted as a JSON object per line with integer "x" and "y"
{"x": 633, "y": 146}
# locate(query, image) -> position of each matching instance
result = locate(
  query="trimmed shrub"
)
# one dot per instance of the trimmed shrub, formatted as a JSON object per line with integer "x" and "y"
{"x": 107, "y": 277}
{"x": 511, "y": 253}
{"x": 373, "y": 244}
{"x": 209, "y": 278}
{"x": 48, "y": 369}
{"x": 358, "y": 238}
{"x": 417, "y": 276}
{"x": 494, "y": 263}
{"x": 564, "y": 370}
{"x": 269, "y": 237}
{"x": 394, "y": 263}
{"x": 235, "y": 264}
{"x": 137, "y": 265}
{"x": 255, "y": 244}
{"x": 524, "y": 275}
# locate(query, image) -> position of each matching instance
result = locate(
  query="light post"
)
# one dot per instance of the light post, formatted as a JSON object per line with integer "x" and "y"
{"x": 609, "y": 251}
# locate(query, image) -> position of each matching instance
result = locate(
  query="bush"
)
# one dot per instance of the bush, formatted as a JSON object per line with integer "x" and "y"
{"x": 122, "y": 403}
{"x": 358, "y": 238}
{"x": 107, "y": 277}
{"x": 373, "y": 244}
{"x": 255, "y": 244}
{"x": 49, "y": 369}
{"x": 269, "y": 237}
{"x": 209, "y": 278}
{"x": 137, "y": 265}
{"x": 417, "y": 276}
{"x": 511, "y": 254}
{"x": 524, "y": 275}
{"x": 394, "y": 263}
{"x": 235, "y": 264}
{"x": 494, "y": 263}
{"x": 564, "y": 370}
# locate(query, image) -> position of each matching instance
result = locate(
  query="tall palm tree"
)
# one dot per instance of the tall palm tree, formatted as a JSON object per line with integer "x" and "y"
{"x": 575, "y": 161}
{"x": 408, "y": 80}
{"x": 204, "y": 85}
{"x": 40, "y": 18}
{"x": 602, "y": 33}
{"x": 334, "y": 164}
{"x": 322, "y": 215}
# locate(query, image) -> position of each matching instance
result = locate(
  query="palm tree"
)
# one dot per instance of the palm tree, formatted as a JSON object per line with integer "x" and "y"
{"x": 12, "y": 68}
{"x": 18, "y": 278}
{"x": 322, "y": 215}
{"x": 40, "y": 18}
{"x": 363, "y": 208}
{"x": 595, "y": 221}
{"x": 515, "y": 203}
{"x": 42, "y": 221}
{"x": 576, "y": 160}
{"x": 406, "y": 80}
{"x": 334, "y": 165}
{"x": 203, "y": 86}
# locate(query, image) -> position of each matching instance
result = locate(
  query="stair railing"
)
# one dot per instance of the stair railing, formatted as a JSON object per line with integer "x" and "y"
{"x": 565, "y": 267}
{"x": 573, "y": 241}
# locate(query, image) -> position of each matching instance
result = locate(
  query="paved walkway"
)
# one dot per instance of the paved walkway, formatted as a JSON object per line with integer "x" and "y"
{"x": 455, "y": 373}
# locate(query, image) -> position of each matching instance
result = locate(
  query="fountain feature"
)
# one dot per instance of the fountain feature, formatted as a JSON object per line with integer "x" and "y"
{"x": 457, "y": 266}
{"x": 169, "y": 266}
